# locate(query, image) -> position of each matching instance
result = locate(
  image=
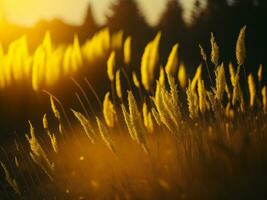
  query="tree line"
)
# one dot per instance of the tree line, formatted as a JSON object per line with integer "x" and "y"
{"x": 222, "y": 17}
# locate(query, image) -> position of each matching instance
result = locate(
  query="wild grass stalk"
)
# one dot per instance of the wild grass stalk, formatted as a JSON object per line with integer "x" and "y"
{"x": 82, "y": 104}
{"x": 204, "y": 57}
{"x": 118, "y": 84}
{"x": 86, "y": 124}
{"x": 103, "y": 131}
{"x": 84, "y": 95}
{"x": 12, "y": 182}
{"x": 214, "y": 55}
{"x": 61, "y": 106}
{"x": 38, "y": 155}
{"x": 126, "y": 78}
{"x": 93, "y": 91}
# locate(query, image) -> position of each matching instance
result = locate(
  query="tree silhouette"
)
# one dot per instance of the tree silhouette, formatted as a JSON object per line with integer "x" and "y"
{"x": 172, "y": 19}
{"x": 173, "y": 26}
{"x": 89, "y": 26}
{"x": 126, "y": 15}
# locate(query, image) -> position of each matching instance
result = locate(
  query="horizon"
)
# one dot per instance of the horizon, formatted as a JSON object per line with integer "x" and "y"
{"x": 29, "y": 12}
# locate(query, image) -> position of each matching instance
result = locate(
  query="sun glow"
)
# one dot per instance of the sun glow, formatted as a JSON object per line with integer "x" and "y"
{"x": 28, "y": 12}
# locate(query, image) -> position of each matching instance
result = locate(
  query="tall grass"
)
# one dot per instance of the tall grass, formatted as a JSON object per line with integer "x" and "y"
{"x": 184, "y": 138}
{"x": 49, "y": 62}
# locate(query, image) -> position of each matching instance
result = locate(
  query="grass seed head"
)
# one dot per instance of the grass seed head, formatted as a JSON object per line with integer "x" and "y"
{"x": 182, "y": 77}
{"x": 127, "y": 50}
{"x": 135, "y": 80}
{"x": 111, "y": 66}
{"x": 109, "y": 111}
{"x": 252, "y": 90}
{"x": 240, "y": 47}
{"x": 172, "y": 63}
{"x": 214, "y": 56}
{"x": 118, "y": 84}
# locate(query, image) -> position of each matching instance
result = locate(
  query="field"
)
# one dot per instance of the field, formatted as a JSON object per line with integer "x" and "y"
{"x": 149, "y": 132}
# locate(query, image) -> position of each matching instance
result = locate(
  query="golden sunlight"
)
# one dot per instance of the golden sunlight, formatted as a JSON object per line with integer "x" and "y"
{"x": 127, "y": 100}
{"x": 28, "y": 12}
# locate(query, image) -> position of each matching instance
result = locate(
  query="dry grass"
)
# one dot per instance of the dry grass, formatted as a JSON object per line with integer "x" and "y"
{"x": 211, "y": 145}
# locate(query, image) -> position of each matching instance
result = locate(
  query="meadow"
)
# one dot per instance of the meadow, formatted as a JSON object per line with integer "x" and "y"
{"x": 152, "y": 132}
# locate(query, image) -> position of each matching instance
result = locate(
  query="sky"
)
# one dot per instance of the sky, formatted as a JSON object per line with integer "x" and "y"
{"x": 28, "y": 12}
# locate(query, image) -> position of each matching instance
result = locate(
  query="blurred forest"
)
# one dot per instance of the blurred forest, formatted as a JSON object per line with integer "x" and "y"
{"x": 223, "y": 17}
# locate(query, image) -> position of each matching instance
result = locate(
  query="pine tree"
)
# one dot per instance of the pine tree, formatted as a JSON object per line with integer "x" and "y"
{"x": 89, "y": 25}
{"x": 127, "y": 16}
{"x": 173, "y": 27}
{"x": 172, "y": 20}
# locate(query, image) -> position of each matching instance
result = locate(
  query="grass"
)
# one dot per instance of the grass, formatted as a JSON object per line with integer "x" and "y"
{"x": 176, "y": 141}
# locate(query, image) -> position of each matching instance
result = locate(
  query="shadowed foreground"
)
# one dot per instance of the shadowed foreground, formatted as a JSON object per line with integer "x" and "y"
{"x": 204, "y": 162}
